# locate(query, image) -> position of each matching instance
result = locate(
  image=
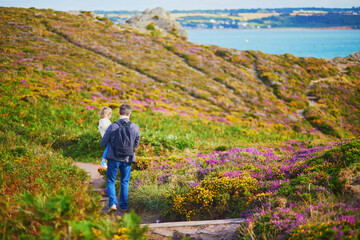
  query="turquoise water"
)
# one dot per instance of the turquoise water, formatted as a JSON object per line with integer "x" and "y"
{"x": 298, "y": 42}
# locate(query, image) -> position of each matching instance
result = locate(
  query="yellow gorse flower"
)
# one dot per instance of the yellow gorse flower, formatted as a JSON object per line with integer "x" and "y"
{"x": 214, "y": 194}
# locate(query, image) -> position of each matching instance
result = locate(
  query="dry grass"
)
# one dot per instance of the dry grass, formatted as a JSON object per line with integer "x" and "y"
{"x": 307, "y": 13}
{"x": 250, "y": 16}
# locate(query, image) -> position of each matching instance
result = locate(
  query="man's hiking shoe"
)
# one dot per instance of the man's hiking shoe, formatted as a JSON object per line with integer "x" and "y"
{"x": 112, "y": 209}
{"x": 123, "y": 210}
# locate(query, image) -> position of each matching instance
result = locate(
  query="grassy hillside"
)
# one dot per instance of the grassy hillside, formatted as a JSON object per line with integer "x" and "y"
{"x": 288, "y": 191}
{"x": 77, "y": 64}
{"x": 57, "y": 70}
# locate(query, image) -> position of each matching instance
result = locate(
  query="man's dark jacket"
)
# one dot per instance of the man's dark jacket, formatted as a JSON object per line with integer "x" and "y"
{"x": 135, "y": 132}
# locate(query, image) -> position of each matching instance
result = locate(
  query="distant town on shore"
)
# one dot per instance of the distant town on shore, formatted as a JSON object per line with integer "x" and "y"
{"x": 341, "y": 18}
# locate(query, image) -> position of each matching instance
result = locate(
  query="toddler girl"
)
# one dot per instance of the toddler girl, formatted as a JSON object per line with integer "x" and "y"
{"x": 104, "y": 123}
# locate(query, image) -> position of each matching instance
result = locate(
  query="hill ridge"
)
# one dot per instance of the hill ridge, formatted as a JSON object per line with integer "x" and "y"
{"x": 171, "y": 76}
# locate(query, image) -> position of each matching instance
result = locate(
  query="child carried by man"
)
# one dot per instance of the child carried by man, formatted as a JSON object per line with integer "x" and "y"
{"x": 104, "y": 122}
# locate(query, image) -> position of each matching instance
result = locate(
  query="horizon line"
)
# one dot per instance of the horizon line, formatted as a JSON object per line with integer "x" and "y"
{"x": 207, "y": 9}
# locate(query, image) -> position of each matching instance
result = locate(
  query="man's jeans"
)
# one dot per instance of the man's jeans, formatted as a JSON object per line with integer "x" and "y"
{"x": 125, "y": 170}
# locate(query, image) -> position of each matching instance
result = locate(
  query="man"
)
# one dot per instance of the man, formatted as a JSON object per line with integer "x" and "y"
{"x": 121, "y": 136}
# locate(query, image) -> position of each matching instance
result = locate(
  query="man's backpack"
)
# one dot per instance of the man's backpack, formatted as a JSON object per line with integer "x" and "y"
{"x": 123, "y": 141}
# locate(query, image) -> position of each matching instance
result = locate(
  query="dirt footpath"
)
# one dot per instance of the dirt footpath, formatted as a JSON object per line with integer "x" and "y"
{"x": 97, "y": 183}
{"x": 96, "y": 180}
{"x": 203, "y": 230}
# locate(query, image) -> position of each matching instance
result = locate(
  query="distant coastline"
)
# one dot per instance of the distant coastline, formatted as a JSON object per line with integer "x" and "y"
{"x": 300, "y": 42}
{"x": 339, "y": 28}
{"x": 318, "y": 18}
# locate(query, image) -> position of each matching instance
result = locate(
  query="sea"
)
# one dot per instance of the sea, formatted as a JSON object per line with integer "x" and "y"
{"x": 319, "y": 43}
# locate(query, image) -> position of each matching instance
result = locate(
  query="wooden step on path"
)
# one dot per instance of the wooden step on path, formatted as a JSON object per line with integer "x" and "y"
{"x": 312, "y": 97}
{"x": 199, "y": 230}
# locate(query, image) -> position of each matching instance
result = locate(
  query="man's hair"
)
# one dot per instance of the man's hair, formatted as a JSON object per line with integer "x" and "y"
{"x": 104, "y": 111}
{"x": 125, "y": 109}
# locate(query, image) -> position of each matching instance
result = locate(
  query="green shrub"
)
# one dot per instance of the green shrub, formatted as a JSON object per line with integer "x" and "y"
{"x": 327, "y": 230}
{"x": 150, "y": 27}
{"x": 150, "y": 197}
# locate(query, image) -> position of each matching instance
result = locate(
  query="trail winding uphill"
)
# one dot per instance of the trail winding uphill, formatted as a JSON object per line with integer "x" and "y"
{"x": 313, "y": 99}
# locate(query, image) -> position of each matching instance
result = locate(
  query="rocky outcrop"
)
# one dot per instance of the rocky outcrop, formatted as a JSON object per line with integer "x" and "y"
{"x": 157, "y": 20}
{"x": 354, "y": 57}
